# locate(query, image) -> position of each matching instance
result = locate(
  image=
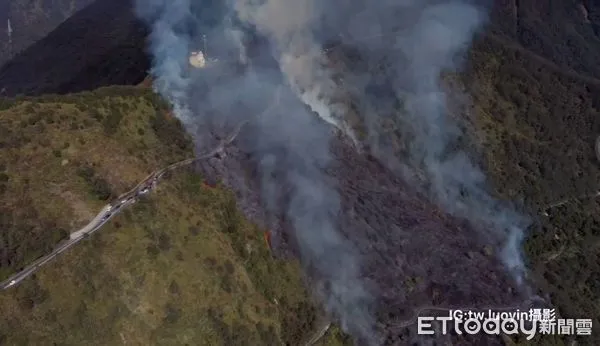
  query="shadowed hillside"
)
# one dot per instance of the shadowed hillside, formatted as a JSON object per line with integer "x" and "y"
{"x": 101, "y": 45}
{"x": 31, "y": 21}
{"x": 566, "y": 32}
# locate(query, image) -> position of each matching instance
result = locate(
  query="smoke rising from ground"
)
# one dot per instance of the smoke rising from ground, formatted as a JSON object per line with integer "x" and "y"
{"x": 287, "y": 140}
{"x": 429, "y": 39}
{"x": 403, "y": 46}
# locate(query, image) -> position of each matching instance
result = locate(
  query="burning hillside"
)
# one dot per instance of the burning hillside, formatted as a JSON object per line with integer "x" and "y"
{"x": 413, "y": 254}
{"x": 381, "y": 235}
{"x": 368, "y": 232}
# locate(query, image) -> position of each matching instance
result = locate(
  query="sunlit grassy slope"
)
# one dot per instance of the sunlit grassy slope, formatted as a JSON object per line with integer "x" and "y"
{"x": 179, "y": 267}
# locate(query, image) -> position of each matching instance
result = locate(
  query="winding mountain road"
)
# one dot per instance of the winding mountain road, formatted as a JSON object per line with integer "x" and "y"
{"x": 110, "y": 210}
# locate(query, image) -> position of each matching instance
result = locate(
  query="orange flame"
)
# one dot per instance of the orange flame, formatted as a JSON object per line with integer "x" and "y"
{"x": 267, "y": 236}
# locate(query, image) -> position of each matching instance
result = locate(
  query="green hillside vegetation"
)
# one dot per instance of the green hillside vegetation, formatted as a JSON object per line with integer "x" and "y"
{"x": 181, "y": 266}
{"x": 536, "y": 124}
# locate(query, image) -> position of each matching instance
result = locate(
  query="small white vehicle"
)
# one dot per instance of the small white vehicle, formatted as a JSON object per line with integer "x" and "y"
{"x": 12, "y": 282}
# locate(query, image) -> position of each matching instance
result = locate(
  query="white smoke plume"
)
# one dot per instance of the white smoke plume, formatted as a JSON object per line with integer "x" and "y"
{"x": 403, "y": 47}
{"x": 9, "y": 31}
{"x": 430, "y": 38}
{"x": 288, "y": 141}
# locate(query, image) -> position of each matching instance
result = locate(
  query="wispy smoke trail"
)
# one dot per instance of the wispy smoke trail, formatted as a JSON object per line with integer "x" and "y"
{"x": 406, "y": 46}
{"x": 442, "y": 32}
{"x": 169, "y": 45}
{"x": 403, "y": 49}
{"x": 428, "y": 39}
{"x": 289, "y": 26}
{"x": 288, "y": 142}
{"x": 9, "y": 31}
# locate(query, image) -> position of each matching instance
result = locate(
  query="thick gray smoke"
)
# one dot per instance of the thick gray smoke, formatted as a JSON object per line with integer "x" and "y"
{"x": 287, "y": 139}
{"x": 398, "y": 50}
{"x": 405, "y": 47}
